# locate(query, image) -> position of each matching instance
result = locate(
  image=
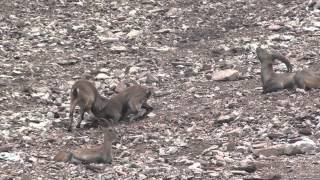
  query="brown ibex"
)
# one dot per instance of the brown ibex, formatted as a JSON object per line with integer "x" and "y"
{"x": 272, "y": 81}
{"x": 100, "y": 154}
{"x": 129, "y": 101}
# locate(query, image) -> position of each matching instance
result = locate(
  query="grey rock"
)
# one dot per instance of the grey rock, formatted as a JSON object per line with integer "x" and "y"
{"x": 9, "y": 156}
{"x": 239, "y": 172}
{"x": 304, "y": 146}
{"x": 134, "y": 69}
{"x": 274, "y": 27}
{"x": 115, "y": 48}
{"x": 134, "y": 33}
{"x": 226, "y": 75}
{"x": 248, "y": 166}
{"x": 196, "y": 167}
{"x": 224, "y": 119}
{"x": 275, "y": 150}
{"x": 278, "y": 37}
{"x": 151, "y": 78}
{"x": 50, "y": 115}
{"x": 108, "y": 39}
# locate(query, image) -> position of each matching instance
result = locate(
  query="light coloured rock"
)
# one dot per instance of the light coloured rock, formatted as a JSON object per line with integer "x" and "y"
{"x": 134, "y": 69}
{"x": 235, "y": 132}
{"x": 102, "y": 76}
{"x": 173, "y": 12}
{"x": 214, "y": 174}
{"x": 224, "y": 119}
{"x": 9, "y": 156}
{"x": 132, "y": 12}
{"x": 196, "y": 167}
{"x": 316, "y": 23}
{"x": 162, "y": 49}
{"x": 304, "y": 146}
{"x": 115, "y": 48}
{"x": 179, "y": 142}
{"x": 46, "y": 97}
{"x": 226, "y": 75}
{"x": 77, "y": 27}
{"x": 312, "y": 29}
{"x": 59, "y": 100}
{"x": 104, "y": 70}
{"x": 50, "y": 115}
{"x": 275, "y": 150}
{"x": 26, "y": 138}
{"x": 142, "y": 176}
{"x": 165, "y": 31}
{"x": 35, "y": 31}
{"x": 118, "y": 73}
{"x": 168, "y": 151}
{"x": 108, "y": 39}
{"x": 151, "y": 78}
{"x": 278, "y": 37}
{"x": 210, "y": 149}
{"x": 274, "y": 27}
{"x": 134, "y": 33}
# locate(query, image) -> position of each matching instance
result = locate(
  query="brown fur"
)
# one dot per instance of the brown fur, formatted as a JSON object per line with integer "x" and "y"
{"x": 307, "y": 80}
{"x": 100, "y": 154}
{"x": 129, "y": 101}
{"x": 272, "y": 81}
{"x": 83, "y": 94}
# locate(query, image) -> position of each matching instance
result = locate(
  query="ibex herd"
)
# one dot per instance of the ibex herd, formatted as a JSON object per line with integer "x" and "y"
{"x": 85, "y": 95}
{"x": 132, "y": 100}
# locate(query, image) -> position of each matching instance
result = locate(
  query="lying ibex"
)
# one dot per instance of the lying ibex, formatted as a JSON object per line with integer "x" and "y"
{"x": 100, "y": 154}
{"x": 272, "y": 81}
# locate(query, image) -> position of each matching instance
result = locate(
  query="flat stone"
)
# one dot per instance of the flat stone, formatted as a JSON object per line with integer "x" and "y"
{"x": 102, "y": 76}
{"x": 248, "y": 166}
{"x": 226, "y": 75}
{"x": 134, "y": 33}
{"x": 274, "y": 27}
{"x": 304, "y": 146}
{"x": 224, "y": 119}
{"x": 115, "y": 48}
{"x": 275, "y": 150}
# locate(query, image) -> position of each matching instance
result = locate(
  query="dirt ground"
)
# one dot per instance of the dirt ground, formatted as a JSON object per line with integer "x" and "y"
{"x": 199, "y": 128}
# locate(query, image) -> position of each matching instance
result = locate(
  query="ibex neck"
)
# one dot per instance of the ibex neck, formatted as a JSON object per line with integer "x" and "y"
{"x": 99, "y": 104}
{"x": 266, "y": 72}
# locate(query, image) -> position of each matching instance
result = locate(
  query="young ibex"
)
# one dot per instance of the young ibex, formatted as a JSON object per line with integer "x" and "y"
{"x": 272, "y": 81}
{"x": 100, "y": 154}
{"x": 129, "y": 101}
